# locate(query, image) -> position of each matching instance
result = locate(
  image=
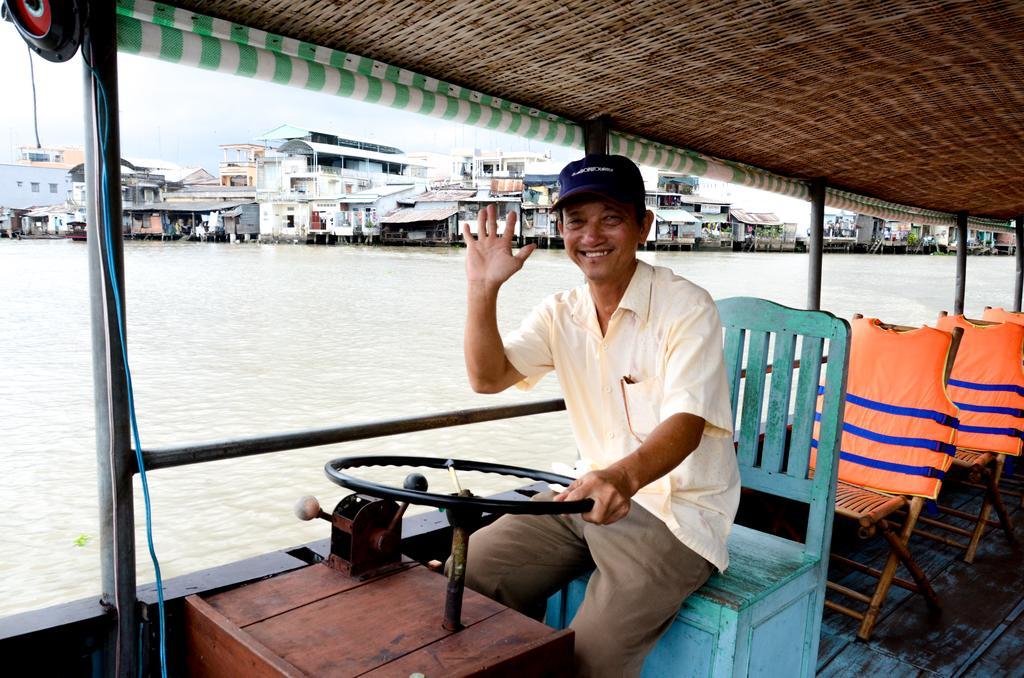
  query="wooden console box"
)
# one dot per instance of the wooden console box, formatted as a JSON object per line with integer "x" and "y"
{"x": 317, "y": 621}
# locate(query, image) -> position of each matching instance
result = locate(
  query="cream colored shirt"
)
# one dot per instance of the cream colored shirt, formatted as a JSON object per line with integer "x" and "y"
{"x": 661, "y": 355}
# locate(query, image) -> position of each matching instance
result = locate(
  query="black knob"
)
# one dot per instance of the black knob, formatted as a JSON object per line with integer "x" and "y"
{"x": 415, "y": 481}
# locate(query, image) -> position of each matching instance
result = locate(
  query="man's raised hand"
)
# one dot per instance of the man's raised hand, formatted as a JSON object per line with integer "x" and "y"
{"x": 489, "y": 257}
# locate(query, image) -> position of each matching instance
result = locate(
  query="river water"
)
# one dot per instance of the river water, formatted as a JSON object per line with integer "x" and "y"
{"x": 241, "y": 340}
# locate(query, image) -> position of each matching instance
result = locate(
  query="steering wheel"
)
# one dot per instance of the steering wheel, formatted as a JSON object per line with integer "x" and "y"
{"x": 335, "y": 470}
{"x": 464, "y": 511}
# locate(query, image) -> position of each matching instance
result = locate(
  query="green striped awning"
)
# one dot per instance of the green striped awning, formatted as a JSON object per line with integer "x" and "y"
{"x": 179, "y": 36}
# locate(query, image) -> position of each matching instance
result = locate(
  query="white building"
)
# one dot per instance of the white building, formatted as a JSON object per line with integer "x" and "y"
{"x": 23, "y": 186}
{"x": 310, "y": 177}
{"x": 478, "y": 169}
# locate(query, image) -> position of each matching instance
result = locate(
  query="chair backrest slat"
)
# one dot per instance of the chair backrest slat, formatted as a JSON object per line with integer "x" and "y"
{"x": 735, "y": 340}
{"x": 777, "y": 463}
{"x": 806, "y": 400}
{"x": 777, "y": 421}
{"x": 753, "y": 396}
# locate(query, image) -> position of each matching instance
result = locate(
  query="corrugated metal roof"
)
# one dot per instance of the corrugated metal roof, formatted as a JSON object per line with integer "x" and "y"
{"x": 756, "y": 218}
{"x": 48, "y": 210}
{"x": 446, "y": 196}
{"x": 411, "y": 215}
{"x": 187, "y": 206}
{"x": 295, "y": 146}
{"x": 506, "y": 185}
{"x": 704, "y": 200}
{"x": 676, "y": 216}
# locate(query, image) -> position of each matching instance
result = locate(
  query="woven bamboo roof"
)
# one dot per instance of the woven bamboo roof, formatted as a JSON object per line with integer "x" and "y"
{"x": 916, "y": 102}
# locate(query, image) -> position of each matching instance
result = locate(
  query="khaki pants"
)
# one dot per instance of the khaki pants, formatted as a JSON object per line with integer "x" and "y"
{"x": 643, "y": 574}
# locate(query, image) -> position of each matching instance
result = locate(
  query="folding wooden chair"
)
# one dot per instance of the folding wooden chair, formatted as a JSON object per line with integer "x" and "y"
{"x": 898, "y": 442}
{"x": 987, "y": 385}
{"x": 1011, "y": 482}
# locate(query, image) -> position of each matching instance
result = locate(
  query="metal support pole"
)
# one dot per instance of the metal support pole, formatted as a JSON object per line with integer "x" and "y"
{"x": 595, "y": 134}
{"x": 115, "y": 464}
{"x": 961, "y": 262}
{"x": 456, "y": 580}
{"x": 1018, "y": 252}
{"x": 816, "y": 245}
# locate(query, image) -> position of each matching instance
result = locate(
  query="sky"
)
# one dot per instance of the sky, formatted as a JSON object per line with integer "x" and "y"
{"x": 182, "y": 114}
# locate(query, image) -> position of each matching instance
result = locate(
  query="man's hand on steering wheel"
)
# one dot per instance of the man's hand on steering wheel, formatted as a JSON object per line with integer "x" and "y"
{"x": 609, "y": 488}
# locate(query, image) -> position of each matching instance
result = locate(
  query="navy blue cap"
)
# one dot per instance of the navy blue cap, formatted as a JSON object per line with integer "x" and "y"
{"x": 608, "y": 176}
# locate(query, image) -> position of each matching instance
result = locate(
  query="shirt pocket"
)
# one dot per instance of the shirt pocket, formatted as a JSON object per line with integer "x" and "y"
{"x": 642, "y": 403}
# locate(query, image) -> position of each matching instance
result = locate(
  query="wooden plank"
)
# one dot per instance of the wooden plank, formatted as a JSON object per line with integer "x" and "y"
{"x": 507, "y": 644}
{"x": 765, "y": 316}
{"x": 217, "y": 647}
{"x": 759, "y": 563}
{"x": 357, "y": 630}
{"x": 1005, "y": 655}
{"x": 779, "y": 394}
{"x": 831, "y": 644}
{"x": 858, "y": 660}
{"x": 247, "y": 605}
{"x": 775, "y": 484}
{"x": 753, "y": 399}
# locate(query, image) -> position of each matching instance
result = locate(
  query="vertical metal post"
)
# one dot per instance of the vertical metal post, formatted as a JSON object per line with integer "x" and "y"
{"x": 816, "y": 246}
{"x": 115, "y": 464}
{"x": 595, "y": 134}
{"x": 961, "y": 262}
{"x": 1018, "y": 252}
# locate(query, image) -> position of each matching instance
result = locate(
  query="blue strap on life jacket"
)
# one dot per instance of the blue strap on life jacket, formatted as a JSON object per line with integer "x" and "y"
{"x": 993, "y": 430}
{"x": 920, "y": 413}
{"x": 940, "y": 417}
{"x": 991, "y": 409}
{"x": 922, "y": 443}
{"x": 905, "y": 469}
{"x": 1012, "y": 388}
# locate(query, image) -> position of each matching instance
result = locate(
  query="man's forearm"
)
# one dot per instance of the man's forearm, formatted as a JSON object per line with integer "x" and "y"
{"x": 488, "y": 369}
{"x": 666, "y": 447}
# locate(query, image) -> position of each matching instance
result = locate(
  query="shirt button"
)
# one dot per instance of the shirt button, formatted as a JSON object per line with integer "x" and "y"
{"x": 611, "y": 435}
{"x": 604, "y": 347}
{"x": 607, "y": 389}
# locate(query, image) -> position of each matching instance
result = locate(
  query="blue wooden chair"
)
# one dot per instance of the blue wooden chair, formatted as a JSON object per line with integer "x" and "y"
{"x": 762, "y": 616}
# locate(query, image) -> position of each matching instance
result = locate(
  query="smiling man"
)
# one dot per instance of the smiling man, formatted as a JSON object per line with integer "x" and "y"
{"x": 638, "y": 353}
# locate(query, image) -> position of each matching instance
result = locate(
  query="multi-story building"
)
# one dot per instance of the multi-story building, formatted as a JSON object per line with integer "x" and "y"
{"x": 23, "y": 186}
{"x": 55, "y": 157}
{"x": 498, "y": 170}
{"x": 308, "y": 169}
{"x": 240, "y": 164}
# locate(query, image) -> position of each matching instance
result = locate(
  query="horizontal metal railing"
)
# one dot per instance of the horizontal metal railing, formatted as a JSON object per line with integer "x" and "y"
{"x": 181, "y": 455}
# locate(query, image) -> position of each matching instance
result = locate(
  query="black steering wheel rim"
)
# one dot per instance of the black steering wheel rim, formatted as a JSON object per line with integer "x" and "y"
{"x": 334, "y": 470}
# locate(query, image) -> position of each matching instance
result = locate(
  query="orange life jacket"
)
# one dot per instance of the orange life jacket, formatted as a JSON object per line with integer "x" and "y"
{"x": 987, "y": 384}
{"x": 1001, "y": 315}
{"x": 899, "y": 428}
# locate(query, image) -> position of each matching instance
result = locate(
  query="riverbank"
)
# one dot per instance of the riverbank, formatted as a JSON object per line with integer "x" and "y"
{"x": 830, "y": 245}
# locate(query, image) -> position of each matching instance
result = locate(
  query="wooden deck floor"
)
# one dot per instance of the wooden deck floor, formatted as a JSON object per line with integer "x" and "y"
{"x": 980, "y": 631}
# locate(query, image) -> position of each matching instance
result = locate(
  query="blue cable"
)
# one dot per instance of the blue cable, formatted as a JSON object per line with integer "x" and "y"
{"x": 107, "y": 237}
